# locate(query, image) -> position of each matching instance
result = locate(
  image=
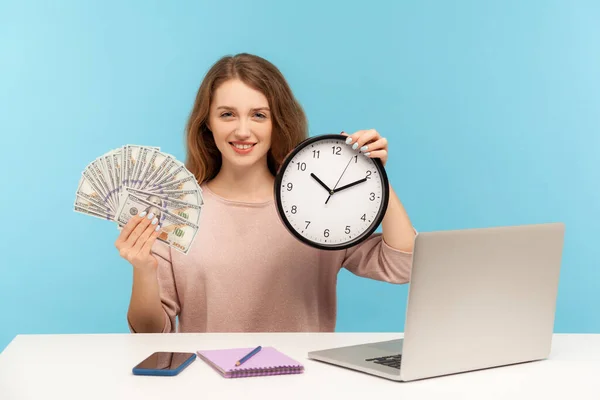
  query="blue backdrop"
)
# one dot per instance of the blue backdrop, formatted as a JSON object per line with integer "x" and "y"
{"x": 492, "y": 111}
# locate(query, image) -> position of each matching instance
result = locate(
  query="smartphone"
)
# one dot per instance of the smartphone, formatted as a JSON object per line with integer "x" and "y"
{"x": 164, "y": 363}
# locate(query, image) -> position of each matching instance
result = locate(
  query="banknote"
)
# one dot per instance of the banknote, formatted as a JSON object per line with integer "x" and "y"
{"x": 131, "y": 176}
{"x": 176, "y": 231}
{"x": 193, "y": 196}
{"x": 187, "y": 183}
{"x": 92, "y": 206}
{"x": 93, "y": 213}
{"x": 189, "y": 211}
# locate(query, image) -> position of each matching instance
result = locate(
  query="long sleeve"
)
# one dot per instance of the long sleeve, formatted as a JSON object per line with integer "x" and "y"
{"x": 375, "y": 259}
{"x": 166, "y": 286}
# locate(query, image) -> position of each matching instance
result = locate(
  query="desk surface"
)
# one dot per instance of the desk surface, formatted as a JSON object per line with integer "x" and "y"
{"x": 99, "y": 367}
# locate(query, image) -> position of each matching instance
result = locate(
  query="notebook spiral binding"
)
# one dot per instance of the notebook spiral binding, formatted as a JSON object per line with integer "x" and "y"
{"x": 248, "y": 372}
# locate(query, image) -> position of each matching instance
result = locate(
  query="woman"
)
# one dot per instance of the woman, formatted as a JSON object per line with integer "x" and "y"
{"x": 245, "y": 272}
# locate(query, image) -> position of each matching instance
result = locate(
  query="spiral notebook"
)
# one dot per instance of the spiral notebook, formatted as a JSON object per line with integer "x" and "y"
{"x": 268, "y": 361}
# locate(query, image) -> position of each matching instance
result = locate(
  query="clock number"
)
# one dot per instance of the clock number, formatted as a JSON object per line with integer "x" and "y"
{"x": 368, "y": 174}
{"x": 290, "y": 186}
{"x": 364, "y": 217}
{"x": 326, "y": 233}
{"x": 307, "y": 224}
{"x": 301, "y": 166}
{"x": 372, "y": 196}
{"x": 336, "y": 150}
{"x": 355, "y": 159}
{"x": 347, "y": 229}
{"x": 294, "y": 209}
{"x": 316, "y": 153}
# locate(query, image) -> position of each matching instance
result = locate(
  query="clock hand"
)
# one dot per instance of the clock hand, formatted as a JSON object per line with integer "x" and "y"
{"x": 339, "y": 179}
{"x": 350, "y": 185}
{"x": 321, "y": 183}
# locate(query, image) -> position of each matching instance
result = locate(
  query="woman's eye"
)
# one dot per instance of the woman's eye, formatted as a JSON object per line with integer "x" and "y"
{"x": 260, "y": 115}
{"x": 226, "y": 114}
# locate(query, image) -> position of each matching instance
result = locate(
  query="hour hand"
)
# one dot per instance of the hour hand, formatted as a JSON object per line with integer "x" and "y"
{"x": 321, "y": 183}
{"x": 350, "y": 185}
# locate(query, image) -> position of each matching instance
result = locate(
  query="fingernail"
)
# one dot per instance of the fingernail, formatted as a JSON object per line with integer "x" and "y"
{"x": 367, "y": 154}
{"x": 143, "y": 214}
{"x": 363, "y": 149}
{"x": 349, "y": 140}
{"x": 150, "y": 215}
{"x": 354, "y": 146}
{"x": 157, "y": 228}
{"x": 154, "y": 221}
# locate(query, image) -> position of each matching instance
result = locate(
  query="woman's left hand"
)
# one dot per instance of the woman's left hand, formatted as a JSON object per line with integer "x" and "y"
{"x": 370, "y": 143}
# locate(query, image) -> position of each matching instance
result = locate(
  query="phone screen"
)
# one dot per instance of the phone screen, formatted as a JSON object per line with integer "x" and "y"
{"x": 164, "y": 360}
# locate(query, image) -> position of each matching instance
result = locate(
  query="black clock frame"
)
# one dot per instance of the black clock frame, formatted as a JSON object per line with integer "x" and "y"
{"x": 374, "y": 224}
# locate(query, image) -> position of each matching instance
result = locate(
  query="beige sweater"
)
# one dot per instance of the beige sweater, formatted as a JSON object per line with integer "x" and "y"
{"x": 246, "y": 273}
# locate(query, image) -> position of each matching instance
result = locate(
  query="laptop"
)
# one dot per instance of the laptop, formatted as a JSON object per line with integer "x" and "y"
{"x": 477, "y": 298}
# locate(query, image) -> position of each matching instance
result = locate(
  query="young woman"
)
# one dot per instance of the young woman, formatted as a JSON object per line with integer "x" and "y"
{"x": 245, "y": 272}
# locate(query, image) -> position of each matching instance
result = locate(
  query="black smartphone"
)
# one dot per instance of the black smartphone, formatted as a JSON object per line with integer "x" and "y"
{"x": 164, "y": 363}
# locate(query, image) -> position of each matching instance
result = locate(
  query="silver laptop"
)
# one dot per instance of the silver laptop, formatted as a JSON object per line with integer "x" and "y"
{"x": 477, "y": 298}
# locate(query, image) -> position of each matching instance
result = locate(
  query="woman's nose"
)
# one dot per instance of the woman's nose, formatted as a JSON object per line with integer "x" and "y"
{"x": 243, "y": 131}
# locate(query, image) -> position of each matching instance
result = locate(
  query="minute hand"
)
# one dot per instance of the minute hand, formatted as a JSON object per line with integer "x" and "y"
{"x": 349, "y": 185}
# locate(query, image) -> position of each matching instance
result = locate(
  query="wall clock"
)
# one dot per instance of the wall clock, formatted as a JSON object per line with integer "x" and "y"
{"x": 330, "y": 196}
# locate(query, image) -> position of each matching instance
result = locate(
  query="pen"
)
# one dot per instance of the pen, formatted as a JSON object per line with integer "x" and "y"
{"x": 247, "y": 356}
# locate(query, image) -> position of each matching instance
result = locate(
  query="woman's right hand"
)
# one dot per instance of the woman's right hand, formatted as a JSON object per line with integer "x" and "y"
{"x": 136, "y": 240}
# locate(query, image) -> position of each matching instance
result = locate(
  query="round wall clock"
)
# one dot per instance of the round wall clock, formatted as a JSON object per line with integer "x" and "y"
{"x": 330, "y": 196}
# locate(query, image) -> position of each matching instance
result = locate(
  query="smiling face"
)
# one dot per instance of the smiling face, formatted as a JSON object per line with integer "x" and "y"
{"x": 241, "y": 124}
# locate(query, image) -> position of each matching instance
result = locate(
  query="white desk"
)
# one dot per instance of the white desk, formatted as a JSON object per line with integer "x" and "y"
{"x": 99, "y": 367}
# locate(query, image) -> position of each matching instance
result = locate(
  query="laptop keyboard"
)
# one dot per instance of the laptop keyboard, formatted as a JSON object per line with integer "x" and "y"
{"x": 391, "y": 361}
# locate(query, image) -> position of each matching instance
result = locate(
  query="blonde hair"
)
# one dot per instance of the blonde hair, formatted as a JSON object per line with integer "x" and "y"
{"x": 290, "y": 126}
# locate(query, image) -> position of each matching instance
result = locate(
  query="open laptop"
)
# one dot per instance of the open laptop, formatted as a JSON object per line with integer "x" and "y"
{"x": 477, "y": 298}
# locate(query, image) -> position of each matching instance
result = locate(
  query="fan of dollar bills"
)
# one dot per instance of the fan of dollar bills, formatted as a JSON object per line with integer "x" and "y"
{"x": 129, "y": 180}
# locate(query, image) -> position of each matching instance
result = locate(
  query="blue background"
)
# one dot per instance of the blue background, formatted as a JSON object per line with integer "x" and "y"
{"x": 491, "y": 109}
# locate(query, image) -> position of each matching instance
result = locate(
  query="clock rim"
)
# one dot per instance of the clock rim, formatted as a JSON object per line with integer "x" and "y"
{"x": 357, "y": 240}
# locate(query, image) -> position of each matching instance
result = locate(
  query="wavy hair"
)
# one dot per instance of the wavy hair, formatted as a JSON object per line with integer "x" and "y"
{"x": 290, "y": 126}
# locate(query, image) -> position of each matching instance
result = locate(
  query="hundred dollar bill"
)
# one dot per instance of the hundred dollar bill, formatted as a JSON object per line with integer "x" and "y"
{"x": 186, "y": 183}
{"x": 189, "y": 211}
{"x": 84, "y": 210}
{"x": 193, "y": 196}
{"x": 91, "y": 206}
{"x": 176, "y": 231}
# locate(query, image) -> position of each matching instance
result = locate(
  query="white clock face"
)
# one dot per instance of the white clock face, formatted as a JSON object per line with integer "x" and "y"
{"x": 330, "y": 194}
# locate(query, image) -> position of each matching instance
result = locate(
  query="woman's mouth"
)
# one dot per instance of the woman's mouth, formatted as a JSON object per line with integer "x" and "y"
{"x": 242, "y": 148}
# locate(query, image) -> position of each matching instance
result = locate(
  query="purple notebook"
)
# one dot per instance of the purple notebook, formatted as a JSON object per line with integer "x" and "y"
{"x": 268, "y": 361}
